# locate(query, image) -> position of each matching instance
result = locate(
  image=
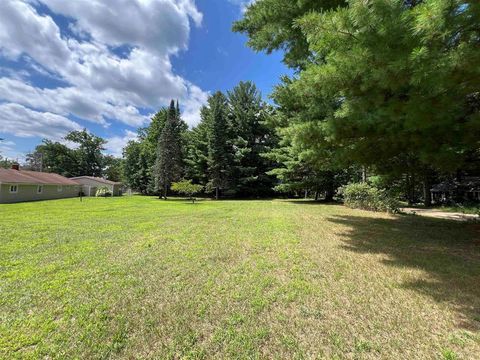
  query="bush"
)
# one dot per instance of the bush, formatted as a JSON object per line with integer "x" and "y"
{"x": 187, "y": 188}
{"x": 367, "y": 197}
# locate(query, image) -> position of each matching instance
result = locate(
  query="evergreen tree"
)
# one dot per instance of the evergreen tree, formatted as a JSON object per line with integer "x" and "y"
{"x": 381, "y": 80}
{"x": 251, "y": 138}
{"x": 169, "y": 161}
{"x": 218, "y": 143}
{"x": 196, "y": 156}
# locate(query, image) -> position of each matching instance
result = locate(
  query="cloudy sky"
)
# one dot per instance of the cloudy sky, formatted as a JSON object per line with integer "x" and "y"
{"x": 107, "y": 65}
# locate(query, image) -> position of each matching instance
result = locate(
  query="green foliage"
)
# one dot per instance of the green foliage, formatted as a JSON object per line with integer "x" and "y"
{"x": 88, "y": 155}
{"x": 186, "y": 187}
{"x": 54, "y": 157}
{"x": 113, "y": 168}
{"x": 137, "y": 170}
{"x": 169, "y": 162}
{"x": 388, "y": 84}
{"x": 5, "y": 163}
{"x": 225, "y": 151}
{"x": 269, "y": 25}
{"x": 368, "y": 197}
{"x": 251, "y": 137}
{"x": 219, "y": 148}
{"x": 86, "y": 158}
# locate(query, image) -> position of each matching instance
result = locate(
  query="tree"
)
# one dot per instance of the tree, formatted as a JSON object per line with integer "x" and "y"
{"x": 53, "y": 157}
{"x": 196, "y": 153}
{"x": 169, "y": 162}
{"x": 5, "y": 163}
{"x": 251, "y": 137}
{"x": 113, "y": 170}
{"x": 383, "y": 80}
{"x": 219, "y": 149}
{"x": 187, "y": 188}
{"x": 270, "y": 25}
{"x": 88, "y": 155}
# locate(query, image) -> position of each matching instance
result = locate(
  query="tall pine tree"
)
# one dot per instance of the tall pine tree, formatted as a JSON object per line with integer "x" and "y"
{"x": 218, "y": 143}
{"x": 169, "y": 161}
{"x": 251, "y": 138}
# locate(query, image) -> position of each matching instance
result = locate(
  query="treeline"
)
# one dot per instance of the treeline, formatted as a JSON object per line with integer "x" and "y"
{"x": 225, "y": 152}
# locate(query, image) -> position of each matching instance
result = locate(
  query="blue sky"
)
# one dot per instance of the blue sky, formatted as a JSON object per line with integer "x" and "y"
{"x": 108, "y": 65}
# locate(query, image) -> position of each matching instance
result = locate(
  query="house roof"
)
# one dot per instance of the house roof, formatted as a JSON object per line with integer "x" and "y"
{"x": 101, "y": 180}
{"x": 33, "y": 177}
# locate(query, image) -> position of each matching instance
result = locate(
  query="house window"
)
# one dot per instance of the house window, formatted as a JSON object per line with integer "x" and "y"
{"x": 39, "y": 189}
{"x": 13, "y": 189}
{"x": 59, "y": 188}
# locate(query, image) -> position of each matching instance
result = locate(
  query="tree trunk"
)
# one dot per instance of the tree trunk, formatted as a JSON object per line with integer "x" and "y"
{"x": 364, "y": 174}
{"x": 410, "y": 189}
{"x": 217, "y": 195}
{"x": 427, "y": 195}
{"x": 329, "y": 195}
{"x": 165, "y": 189}
{"x": 306, "y": 194}
{"x": 316, "y": 195}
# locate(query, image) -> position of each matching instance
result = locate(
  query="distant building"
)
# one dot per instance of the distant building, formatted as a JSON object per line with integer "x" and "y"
{"x": 466, "y": 189}
{"x": 22, "y": 185}
{"x": 91, "y": 184}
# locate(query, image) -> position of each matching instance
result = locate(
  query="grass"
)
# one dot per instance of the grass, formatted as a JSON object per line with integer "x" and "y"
{"x": 137, "y": 277}
{"x": 473, "y": 209}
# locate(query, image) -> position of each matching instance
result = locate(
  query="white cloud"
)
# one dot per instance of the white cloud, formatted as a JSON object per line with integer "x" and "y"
{"x": 23, "y": 122}
{"x": 116, "y": 144}
{"x": 103, "y": 86}
{"x": 243, "y": 4}
{"x": 70, "y": 101}
{"x": 7, "y": 150}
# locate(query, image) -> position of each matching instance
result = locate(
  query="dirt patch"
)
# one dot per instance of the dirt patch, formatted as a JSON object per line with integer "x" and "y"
{"x": 439, "y": 214}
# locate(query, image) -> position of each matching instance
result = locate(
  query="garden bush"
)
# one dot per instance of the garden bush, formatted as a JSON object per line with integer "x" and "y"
{"x": 367, "y": 197}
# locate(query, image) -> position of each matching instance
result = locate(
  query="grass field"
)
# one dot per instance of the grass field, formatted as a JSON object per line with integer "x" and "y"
{"x": 137, "y": 277}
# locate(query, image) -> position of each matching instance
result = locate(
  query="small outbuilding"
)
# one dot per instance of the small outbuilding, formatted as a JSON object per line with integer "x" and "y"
{"x": 91, "y": 184}
{"x": 23, "y": 185}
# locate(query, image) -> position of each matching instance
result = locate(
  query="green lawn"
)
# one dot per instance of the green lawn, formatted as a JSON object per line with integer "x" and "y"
{"x": 137, "y": 277}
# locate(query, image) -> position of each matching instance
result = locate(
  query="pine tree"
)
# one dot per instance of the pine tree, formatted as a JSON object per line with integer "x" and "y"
{"x": 251, "y": 138}
{"x": 218, "y": 143}
{"x": 169, "y": 161}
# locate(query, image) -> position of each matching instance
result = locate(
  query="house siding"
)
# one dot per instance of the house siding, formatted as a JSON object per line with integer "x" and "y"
{"x": 29, "y": 193}
{"x": 94, "y": 185}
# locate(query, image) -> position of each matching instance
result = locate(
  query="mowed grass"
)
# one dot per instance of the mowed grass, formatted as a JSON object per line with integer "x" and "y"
{"x": 139, "y": 278}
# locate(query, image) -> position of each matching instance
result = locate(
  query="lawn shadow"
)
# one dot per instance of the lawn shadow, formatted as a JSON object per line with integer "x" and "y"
{"x": 448, "y": 251}
{"x": 312, "y": 202}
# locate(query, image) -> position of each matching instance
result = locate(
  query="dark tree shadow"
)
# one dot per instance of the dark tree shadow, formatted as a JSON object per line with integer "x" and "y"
{"x": 449, "y": 251}
{"x": 312, "y": 202}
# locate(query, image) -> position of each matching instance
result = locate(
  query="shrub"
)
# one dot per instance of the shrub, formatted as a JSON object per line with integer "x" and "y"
{"x": 367, "y": 197}
{"x": 187, "y": 188}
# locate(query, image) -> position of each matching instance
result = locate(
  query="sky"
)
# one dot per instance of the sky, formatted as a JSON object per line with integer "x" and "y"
{"x": 108, "y": 65}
